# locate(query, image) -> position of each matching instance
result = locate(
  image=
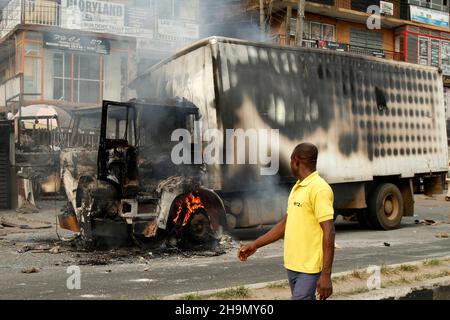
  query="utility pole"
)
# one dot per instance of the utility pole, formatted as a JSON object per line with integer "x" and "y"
{"x": 288, "y": 26}
{"x": 262, "y": 18}
{"x": 300, "y": 21}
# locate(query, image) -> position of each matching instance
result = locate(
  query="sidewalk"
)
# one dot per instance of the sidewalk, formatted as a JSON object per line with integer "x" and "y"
{"x": 396, "y": 281}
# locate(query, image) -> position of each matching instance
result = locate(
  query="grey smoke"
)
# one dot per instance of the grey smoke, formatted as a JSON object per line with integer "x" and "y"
{"x": 229, "y": 18}
{"x": 226, "y": 18}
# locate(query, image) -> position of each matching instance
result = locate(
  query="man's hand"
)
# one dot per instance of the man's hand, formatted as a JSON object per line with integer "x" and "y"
{"x": 324, "y": 287}
{"x": 276, "y": 233}
{"x": 246, "y": 251}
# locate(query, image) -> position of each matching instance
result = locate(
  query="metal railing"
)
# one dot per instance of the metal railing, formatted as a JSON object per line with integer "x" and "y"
{"x": 429, "y": 4}
{"x": 365, "y": 51}
{"x": 17, "y": 12}
{"x": 281, "y": 39}
{"x": 42, "y": 12}
{"x": 11, "y": 17}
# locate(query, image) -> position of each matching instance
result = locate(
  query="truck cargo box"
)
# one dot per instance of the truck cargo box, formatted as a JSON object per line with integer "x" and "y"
{"x": 369, "y": 117}
{"x": 379, "y": 125}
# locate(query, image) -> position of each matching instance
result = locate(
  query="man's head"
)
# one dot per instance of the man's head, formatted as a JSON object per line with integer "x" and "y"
{"x": 304, "y": 160}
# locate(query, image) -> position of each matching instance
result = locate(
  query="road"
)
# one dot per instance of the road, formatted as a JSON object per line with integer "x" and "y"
{"x": 132, "y": 274}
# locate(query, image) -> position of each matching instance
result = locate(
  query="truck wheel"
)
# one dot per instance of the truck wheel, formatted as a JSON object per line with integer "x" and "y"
{"x": 385, "y": 207}
{"x": 198, "y": 230}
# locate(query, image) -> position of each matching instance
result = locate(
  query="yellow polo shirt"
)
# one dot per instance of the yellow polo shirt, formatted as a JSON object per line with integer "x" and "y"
{"x": 309, "y": 204}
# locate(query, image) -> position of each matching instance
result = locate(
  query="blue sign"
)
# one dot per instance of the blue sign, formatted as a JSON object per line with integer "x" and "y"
{"x": 429, "y": 16}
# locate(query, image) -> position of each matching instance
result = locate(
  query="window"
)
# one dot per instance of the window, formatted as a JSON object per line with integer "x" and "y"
{"x": 435, "y": 52}
{"x": 328, "y": 32}
{"x": 437, "y": 4}
{"x": 32, "y": 68}
{"x": 423, "y": 51}
{"x": 77, "y": 77}
{"x": 32, "y": 76}
{"x": 120, "y": 124}
{"x": 362, "y": 5}
{"x": 61, "y": 76}
{"x": 86, "y": 82}
{"x": 315, "y": 30}
{"x": 445, "y": 57}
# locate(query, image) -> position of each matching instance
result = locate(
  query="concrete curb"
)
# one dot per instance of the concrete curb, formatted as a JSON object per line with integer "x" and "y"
{"x": 403, "y": 291}
{"x": 262, "y": 285}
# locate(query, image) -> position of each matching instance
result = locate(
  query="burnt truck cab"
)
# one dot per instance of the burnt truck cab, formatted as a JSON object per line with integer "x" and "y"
{"x": 37, "y": 152}
{"x": 139, "y": 193}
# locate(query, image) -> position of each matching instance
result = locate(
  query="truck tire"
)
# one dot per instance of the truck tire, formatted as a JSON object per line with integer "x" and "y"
{"x": 385, "y": 207}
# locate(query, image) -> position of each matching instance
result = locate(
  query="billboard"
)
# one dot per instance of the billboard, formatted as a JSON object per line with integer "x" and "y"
{"x": 429, "y": 16}
{"x": 179, "y": 29}
{"x": 106, "y": 17}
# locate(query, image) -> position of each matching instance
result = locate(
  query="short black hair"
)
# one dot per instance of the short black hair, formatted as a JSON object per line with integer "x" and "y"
{"x": 307, "y": 153}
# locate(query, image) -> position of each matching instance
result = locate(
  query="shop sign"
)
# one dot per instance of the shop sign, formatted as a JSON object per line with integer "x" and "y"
{"x": 62, "y": 41}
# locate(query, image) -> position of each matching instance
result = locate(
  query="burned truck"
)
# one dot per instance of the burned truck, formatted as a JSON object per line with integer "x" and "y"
{"x": 36, "y": 155}
{"x": 78, "y": 156}
{"x": 379, "y": 125}
{"x": 137, "y": 193}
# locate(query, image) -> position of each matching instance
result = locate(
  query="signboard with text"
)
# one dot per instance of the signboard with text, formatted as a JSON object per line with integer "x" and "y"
{"x": 92, "y": 15}
{"x": 76, "y": 43}
{"x": 106, "y": 17}
{"x": 179, "y": 29}
{"x": 429, "y": 16}
{"x": 386, "y": 8}
{"x": 331, "y": 45}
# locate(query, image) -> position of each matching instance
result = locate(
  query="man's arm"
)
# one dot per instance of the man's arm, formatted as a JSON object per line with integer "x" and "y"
{"x": 275, "y": 234}
{"x": 324, "y": 285}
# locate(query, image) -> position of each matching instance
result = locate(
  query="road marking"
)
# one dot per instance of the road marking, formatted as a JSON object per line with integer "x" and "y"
{"x": 95, "y": 296}
{"x": 142, "y": 280}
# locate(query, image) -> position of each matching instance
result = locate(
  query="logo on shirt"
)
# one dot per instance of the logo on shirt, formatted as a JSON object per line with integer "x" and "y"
{"x": 297, "y": 204}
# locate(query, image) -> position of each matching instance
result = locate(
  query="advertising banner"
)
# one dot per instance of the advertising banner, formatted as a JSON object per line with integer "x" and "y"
{"x": 429, "y": 16}
{"x": 92, "y": 15}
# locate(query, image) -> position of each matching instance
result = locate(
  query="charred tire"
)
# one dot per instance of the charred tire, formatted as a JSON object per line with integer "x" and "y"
{"x": 198, "y": 230}
{"x": 385, "y": 207}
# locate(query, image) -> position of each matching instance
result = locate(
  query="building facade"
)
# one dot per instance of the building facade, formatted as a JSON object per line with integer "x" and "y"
{"x": 415, "y": 31}
{"x": 77, "y": 53}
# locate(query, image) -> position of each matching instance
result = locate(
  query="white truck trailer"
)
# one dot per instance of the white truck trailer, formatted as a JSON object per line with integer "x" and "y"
{"x": 379, "y": 125}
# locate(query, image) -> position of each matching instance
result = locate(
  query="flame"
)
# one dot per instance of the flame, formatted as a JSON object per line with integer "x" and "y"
{"x": 191, "y": 203}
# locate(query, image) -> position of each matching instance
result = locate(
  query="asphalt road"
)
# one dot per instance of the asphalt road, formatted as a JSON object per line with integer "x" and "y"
{"x": 143, "y": 277}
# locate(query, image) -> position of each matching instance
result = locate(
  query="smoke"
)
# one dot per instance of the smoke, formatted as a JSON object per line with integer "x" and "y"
{"x": 230, "y": 18}
{"x": 202, "y": 19}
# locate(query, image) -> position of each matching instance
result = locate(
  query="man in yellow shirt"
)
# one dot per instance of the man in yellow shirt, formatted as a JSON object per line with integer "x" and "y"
{"x": 307, "y": 228}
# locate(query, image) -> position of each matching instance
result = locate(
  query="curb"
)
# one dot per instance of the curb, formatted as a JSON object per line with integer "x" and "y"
{"x": 403, "y": 291}
{"x": 262, "y": 285}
